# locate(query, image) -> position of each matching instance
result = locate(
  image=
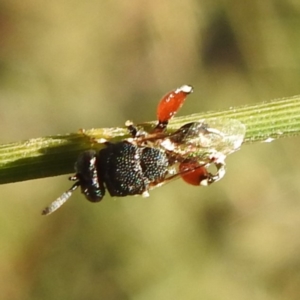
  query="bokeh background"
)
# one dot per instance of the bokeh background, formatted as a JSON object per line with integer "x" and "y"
{"x": 66, "y": 65}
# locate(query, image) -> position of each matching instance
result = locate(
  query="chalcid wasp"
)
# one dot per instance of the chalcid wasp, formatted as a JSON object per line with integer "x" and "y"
{"x": 150, "y": 159}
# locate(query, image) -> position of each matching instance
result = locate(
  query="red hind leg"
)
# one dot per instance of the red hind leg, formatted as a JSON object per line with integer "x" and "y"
{"x": 170, "y": 104}
{"x": 193, "y": 173}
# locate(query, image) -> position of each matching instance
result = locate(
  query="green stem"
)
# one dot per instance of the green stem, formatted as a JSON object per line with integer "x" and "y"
{"x": 55, "y": 155}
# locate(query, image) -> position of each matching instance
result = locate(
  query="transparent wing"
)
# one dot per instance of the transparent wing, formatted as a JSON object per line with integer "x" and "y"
{"x": 197, "y": 146}
{"x": 206, "y": 137}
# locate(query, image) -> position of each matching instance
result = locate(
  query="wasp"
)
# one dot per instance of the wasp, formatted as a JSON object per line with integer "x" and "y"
{"x": 147, "y": 160}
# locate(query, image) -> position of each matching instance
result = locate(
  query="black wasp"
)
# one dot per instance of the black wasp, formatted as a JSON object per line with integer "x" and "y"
{"x": 147, "y": 160}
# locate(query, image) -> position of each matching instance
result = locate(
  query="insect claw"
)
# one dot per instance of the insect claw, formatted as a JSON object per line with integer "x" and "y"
{"x": 188, "y": 89}
{"x": 221, "y": 170}
{"x": 145, "y": 194}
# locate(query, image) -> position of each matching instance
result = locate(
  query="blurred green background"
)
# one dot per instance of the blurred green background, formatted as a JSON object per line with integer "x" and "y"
{"x": 66, "y": 65}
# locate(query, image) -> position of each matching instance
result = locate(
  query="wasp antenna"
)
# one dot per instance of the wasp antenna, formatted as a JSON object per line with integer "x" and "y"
{"x": 60, "y": 200}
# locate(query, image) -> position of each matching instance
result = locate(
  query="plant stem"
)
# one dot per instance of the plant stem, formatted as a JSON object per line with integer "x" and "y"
{"x": 55, "y": 155}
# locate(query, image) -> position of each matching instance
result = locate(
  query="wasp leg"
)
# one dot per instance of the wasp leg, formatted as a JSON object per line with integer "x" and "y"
{"x": 134, "y": 131}
{"x": 169, "y": 105}
{"x": 211, "y": 178}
